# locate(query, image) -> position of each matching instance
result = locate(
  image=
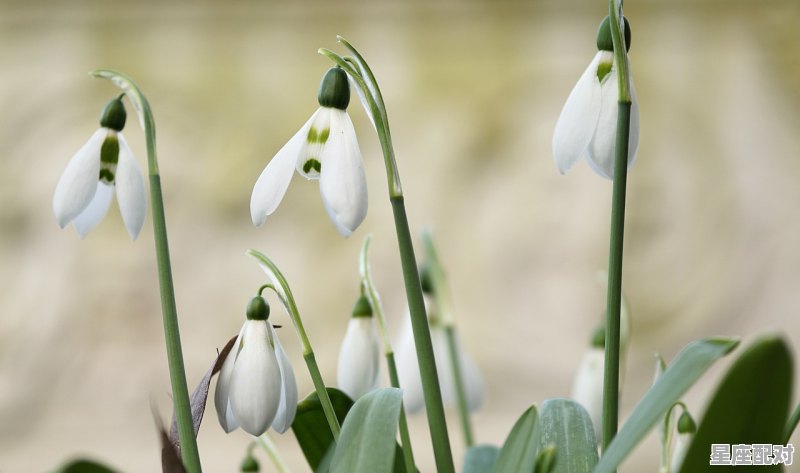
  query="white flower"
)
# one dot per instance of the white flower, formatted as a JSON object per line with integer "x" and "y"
{"x": 588, "y": 122}
{"x": 102, "y": 165}
{"x": 408, "y": 368}
{"x": 325, "y": 148}
{"x": 359, "y": 358}
{"x": 256, "y": 388}
{"x": 587, "y": 389}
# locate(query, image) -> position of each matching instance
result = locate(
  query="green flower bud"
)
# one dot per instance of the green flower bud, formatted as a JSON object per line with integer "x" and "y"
{"x": 362, "y": 308}
{"x": 599, "y": 337}
{"x": 425, "y": 279}
{"x": 249, "y": 464}
{"x": 604, "y": 41}
{"x": 334, "y": 91}
{"x": 686, "y": 424}
{"x": 114, "y": 115}
{"x": 257, "y": 309}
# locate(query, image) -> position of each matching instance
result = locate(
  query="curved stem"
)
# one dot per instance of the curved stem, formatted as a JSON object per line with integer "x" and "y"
{"x": 177, "y": 373}
{"x": 273, "y": 453}
{"x": 284, "y": 292}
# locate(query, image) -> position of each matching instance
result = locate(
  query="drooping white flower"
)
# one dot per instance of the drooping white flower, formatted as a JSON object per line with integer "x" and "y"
{"x": 408, "y": 367}
{"x": 256, "y": 388}
{"x": 325, "y": 148}
{"x": 359, "y": 358}
{"x": 588, "y": 122}
{"x": 103, "y": 165}
{"x": 587, "y": 388}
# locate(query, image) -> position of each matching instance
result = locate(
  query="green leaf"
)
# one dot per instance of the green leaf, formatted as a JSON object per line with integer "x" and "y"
{"x": 480, "y": 459}
{"x": 367, "y": 441}
{"x": 751, "y": 406}
{"x": 521, "y": 447}
{"x": 311, "y": 427}
{"x": 84, "y": 466}
{"x": 681, "y": 374}
{"x": 565, "y": 424}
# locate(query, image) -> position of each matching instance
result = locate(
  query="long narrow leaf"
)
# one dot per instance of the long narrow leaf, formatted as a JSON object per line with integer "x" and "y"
{"x": 521, "y": 447}
{"x": 681, "y": 374}
{"x": 750, "y": 407}
{"x": 367, "y": 441}
{"x": 565, "y": 424}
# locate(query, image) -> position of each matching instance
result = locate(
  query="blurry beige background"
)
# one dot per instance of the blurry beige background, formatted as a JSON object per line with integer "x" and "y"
{"x": 473, "y": 91}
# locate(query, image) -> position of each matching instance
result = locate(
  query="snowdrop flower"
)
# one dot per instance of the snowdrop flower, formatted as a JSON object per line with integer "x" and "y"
{"x": 359, "y": 358}
{"x": 256, "y": 388}
{"x": 104, "y": 164}
{"x": 587, "y": 388}
{"x": 325, "y": 148}
{"x": 408, "y": 367}
{"x": 686, "y": 430}
{"x": 588, "y": 122}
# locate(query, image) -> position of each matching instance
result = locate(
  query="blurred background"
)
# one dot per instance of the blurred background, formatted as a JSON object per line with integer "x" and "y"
{"x": 473, "y": 90}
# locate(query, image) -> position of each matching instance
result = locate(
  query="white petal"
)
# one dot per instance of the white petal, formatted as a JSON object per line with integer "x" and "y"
{"x": 359, "y": 358}
{"x": 343, "y": 184}
{"x": 408, "y": 369}
{"x": 578, "y": 119}
{"x": 255, "y": 384}
{"x": 274, "y": 179}
{"x": 96, "y": 210}
{"x": 130, "y": 189}
{"x": 287, "y": 407}
{"x": 682, "y": 442}
{"x": 78, "y": 184}
{"x": 222, "y": 394}
{"x": 633, "y": 138}
{"x": 588, "y": 387}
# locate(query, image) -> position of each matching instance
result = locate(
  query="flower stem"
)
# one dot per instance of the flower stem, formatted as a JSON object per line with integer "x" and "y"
{"x": 273, "y": 453}
{"x": 458, "y": 378}
{"x": 375, "y": 302}
{"x": 422, "y": 339}
{"x": 177, "y": 373}
{"x": 614, "y": 298}
{"x": 284, "y": 292}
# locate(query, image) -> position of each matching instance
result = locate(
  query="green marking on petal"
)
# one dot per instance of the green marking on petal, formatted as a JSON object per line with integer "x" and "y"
{"x": 107, "y": 176}
{"x": 320, "y": 137}
{"x": 109, "y": 152}
{"x": 310, "y": 164}
{"x": 603, "y": 69}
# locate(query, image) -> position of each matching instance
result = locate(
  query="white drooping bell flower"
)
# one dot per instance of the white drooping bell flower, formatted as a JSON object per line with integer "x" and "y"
{"x": 686, "y": 429}
{"x": 587, "y": 125}
{"x": 359, "y": 358}
{"x": 256, "y": 388}
{"x": 408, "y": 367}
{"x": 325, "y": 148}
{"x": 102, "y": 165}
{"x": 587, "y": 388}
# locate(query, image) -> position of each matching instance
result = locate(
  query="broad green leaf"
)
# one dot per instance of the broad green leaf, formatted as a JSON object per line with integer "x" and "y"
{"x": 84, "y": 466}
{"x": 367, "y": 441}
{"x": 311, "y": 427}
{"x": 519, "y": 451}
{"x": 565, "y": 424}
{"x": 750, "y": 407}
{"x": 480, "y": 459}
{"x": 680, "y": 375}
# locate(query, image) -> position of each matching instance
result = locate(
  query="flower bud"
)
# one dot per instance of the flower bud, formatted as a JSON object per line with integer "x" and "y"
{"x": 604, "y": 41}
{"x": 114, "y": 115}
{"x": 334, "y": 90}
{"x": 257, "y": 309}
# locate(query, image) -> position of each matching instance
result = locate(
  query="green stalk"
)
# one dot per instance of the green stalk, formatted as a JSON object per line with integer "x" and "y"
{"x": 283, "y": 291}
{"x": 364, "y": 79}
{"x": 273, "y": 453}
{"x": 442, "y": 297}
{"x": 177, "y": 373}
{"x": 375, "y": 303}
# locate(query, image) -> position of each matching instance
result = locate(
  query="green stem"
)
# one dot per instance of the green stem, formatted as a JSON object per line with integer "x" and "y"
{"x": 273, "y": 453}
{"x": 458, "y": 378}
{"x": 422, "y": 339}
{"x": 375, "y": 302}
{"x": 791, "y": 425}
{"x": 177, "y": 373}
{"x": 286, "y": 297}
{"x": 614, "y": 299}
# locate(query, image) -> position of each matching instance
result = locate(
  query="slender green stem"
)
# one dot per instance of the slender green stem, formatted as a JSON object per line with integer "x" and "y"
{"x": 284, "y": 292}
{"x": 422, "y": 338}
{"x": 442, "y": 297}
{"x": 273, "y": 453}
{"x": 177, "y": 373}
{"x": 375, "y": 302}
{"x": 614, "y": 299}
{"x": 791, "y": 424}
